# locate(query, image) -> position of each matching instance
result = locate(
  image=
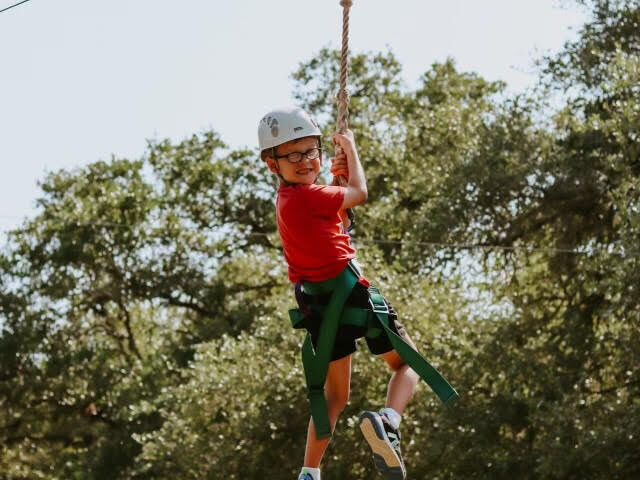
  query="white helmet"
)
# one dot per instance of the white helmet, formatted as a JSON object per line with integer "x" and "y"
{"x": 285, "y": 124}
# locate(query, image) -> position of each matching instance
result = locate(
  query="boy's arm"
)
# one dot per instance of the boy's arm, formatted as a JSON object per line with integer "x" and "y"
{"x": 339, "y": 169}
{"x": 356, "y": 188}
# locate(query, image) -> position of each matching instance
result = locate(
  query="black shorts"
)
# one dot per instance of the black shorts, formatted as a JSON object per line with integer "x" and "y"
{"x": 345, "y": 343}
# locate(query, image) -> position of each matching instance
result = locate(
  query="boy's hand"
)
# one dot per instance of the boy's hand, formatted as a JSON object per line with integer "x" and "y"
{"x": 345, "y": 141}
{"x": 339, "y": 166}
{"x": 356, "y": 187}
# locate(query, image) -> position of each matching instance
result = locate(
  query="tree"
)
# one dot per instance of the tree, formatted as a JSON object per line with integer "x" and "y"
{"x": 143, "y": 311}
{"x": 128, "y": 266}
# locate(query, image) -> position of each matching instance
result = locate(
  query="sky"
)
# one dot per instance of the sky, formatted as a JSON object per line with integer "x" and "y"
{"x": 85, "y": 80}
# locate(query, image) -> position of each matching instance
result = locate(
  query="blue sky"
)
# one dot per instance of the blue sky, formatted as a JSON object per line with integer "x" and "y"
{"x": 82, "y": 80}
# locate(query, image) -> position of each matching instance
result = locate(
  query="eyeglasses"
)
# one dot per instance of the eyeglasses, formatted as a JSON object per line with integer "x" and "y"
{"x": 295, "y": 157}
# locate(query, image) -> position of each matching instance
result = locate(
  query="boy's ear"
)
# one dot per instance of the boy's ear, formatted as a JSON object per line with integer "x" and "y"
{"x": 271, "y": 163}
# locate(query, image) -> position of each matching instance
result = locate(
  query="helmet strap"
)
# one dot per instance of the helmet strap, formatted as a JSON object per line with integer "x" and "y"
{"x": 282, "y": 179}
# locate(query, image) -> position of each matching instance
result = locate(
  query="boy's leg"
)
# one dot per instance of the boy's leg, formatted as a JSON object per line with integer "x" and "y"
{"x": 381, "y": 429}
{"x": 336, "y": 390}
{"x": 403, "y": 380}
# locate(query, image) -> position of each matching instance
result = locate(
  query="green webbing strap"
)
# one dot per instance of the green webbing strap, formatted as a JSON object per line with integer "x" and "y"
{"x": 357, "y": 317}
{"x": 376, "y": 320}
{"x": 416, "y": 362}
{"x": 316, "y": 363}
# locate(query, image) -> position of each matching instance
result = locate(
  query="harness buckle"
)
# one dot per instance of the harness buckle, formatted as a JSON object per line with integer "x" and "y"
{"x": 384, "y": 308}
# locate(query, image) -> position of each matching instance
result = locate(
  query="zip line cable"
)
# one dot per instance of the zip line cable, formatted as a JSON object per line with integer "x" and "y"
{"x": 15, "y": 5}
{"x": 383, "y": 241}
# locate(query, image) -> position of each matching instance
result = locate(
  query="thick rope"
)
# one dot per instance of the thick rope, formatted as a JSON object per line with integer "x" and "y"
{"x": 343, "y": 94}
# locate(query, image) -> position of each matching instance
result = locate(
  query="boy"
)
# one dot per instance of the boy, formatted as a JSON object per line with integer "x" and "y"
{"x": 310, "y": 222}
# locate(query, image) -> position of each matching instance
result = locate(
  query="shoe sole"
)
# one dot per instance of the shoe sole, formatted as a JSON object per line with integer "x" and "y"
{"x": 384, "y": 456}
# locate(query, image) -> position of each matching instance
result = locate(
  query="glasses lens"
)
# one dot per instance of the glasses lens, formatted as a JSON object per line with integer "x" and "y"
{"x": 313, "y": 153}
{"x": 294, "y": 157}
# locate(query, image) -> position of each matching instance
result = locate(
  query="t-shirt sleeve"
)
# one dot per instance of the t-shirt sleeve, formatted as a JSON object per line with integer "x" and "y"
{"x": 326, "y": 199}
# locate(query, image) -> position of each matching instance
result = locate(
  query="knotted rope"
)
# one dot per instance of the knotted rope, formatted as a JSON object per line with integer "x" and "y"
{"x": 343, "y": 94}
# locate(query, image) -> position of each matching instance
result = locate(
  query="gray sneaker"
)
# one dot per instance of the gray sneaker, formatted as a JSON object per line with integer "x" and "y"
{"x": 384, "y": 441}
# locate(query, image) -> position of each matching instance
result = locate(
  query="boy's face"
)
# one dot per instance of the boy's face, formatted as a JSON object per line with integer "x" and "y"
{"x": 304, "y": 171}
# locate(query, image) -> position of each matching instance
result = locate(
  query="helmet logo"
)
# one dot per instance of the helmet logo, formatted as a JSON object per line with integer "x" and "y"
{"x": 297, "y": 129}
{"x": 272, "y": 123}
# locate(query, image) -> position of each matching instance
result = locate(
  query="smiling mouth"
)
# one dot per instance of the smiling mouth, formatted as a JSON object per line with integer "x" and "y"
{"x": 305, "y": 171}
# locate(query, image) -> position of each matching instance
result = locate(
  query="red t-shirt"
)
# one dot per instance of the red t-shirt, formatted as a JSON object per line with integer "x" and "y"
{"x": 315, "y": 246}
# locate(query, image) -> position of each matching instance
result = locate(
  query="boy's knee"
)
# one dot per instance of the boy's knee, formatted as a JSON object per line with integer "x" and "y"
{"x": 338, "y": 402}
{"x": 394, "y": 360}
{"x": 335, "y": 411}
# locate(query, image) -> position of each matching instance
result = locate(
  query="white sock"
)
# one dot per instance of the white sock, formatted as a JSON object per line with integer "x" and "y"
{"x": 393, "y": 416}
{"x": 314, "y": 472}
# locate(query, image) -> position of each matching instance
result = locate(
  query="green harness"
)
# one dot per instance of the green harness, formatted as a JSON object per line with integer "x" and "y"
{"x": 376, "y": 321}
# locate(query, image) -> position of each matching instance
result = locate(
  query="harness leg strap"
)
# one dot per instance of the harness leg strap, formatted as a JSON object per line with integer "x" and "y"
{"x": 316, "y": 362}
{"x": 411, "y": 357}
{"x": 422, "y": 367}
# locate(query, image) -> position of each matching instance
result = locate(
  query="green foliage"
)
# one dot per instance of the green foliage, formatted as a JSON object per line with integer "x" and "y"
{"x": 242, "y": 411}
{"x": 107, "y": 292}
{"x": 143, "y": 328}
{"x": 584, "y": 63}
